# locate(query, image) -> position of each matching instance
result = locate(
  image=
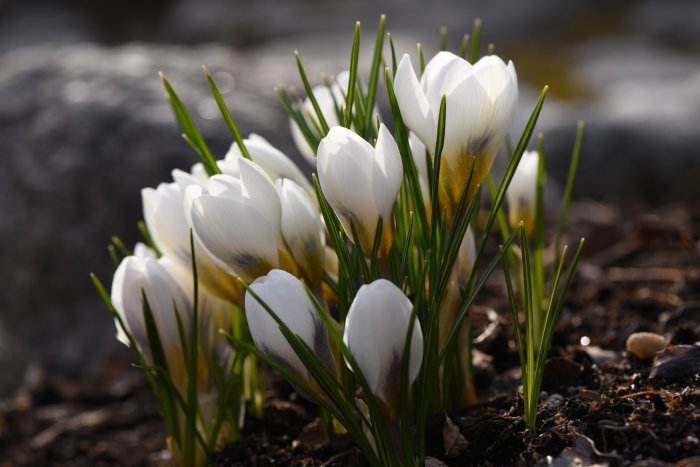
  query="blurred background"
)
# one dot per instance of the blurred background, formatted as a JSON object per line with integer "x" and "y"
{"x": 84, "y": 124}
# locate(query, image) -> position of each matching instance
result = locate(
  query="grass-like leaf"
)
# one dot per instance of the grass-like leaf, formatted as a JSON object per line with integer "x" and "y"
{"x": 228, "y": 118}
{"x": 310, "y": 93}
{"x": 374, "y": 78}
{"x": 354, "y": 59}
{"x": 476, "y": 37}
{"x": 189, "y": 129}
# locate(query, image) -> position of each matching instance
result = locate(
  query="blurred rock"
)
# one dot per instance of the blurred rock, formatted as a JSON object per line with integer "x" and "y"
{"x": 82, "y": 130}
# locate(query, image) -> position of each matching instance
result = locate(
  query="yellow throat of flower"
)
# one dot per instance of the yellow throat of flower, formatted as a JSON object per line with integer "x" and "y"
{"x": 454, "y": 178}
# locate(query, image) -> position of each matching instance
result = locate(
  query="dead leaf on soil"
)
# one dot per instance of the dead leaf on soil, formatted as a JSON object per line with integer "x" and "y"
{"x": 434, "y": 462}
{"x": 312, "y": 436}
{"x": 453, "y": 441}
{"x": 582, "y": 453}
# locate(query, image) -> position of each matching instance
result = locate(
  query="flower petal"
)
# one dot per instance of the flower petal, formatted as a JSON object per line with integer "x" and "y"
{"x": 414, "y": 106}
{"x": 387, "y": 173}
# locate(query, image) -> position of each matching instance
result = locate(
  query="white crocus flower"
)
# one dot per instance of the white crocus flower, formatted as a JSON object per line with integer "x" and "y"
{"x": 286, "y": 296}
{"x": 361, "y": 182}
{"x": 139, "y": 273}
{"x": 273, "y": 161}
{"x": 375, "y": 332}
{"x": 522, "y": 192}
{"x": 164, "y": 214}
{"x": 480, "y": 99}
{"x": 237, "y": 221}
{"x": 302, "y": 230}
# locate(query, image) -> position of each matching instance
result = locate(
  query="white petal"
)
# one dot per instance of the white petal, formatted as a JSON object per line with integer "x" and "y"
{"x": 414, "y": 106}
{"x": 302, "y": 228}
{"x": 260, "y": 191}
{"x": 199, "y": 172}
{"x": 328, "y": 100}
{"x": 286, "y": 296}
{"x": 522, "y": 190}
{"x": 467, "y": 121}
{"x": 276, "y": 164}
{"x": 165, "y": 218}
{"x": 184, "y": 179}
{"x": 301, "y": 143}
{"x": 191, "y": 193}
{"x": 141, "y": 250}
{"x": 375, "y": 332}
{"x": 135, "y": 275}
{"x": 442, "y": 74}
{"x": 491, "y": 72}
{"x": 344, "y": 172}
{"x": 234, "y": 233}
{"x": 387, "y": 173}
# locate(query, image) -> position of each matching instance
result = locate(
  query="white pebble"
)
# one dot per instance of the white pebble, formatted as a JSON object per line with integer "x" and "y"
{"x": 645, "y": 345}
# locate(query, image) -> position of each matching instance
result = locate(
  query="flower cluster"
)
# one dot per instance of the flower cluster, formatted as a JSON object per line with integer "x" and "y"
{"x": 355, "y": 287}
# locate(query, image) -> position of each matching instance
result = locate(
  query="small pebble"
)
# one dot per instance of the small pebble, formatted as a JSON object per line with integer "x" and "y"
{"x": 645, "y": 345}
{"x": 555, "y": 399}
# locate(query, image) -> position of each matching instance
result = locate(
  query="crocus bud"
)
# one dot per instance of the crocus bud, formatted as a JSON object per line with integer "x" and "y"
{"x": 270, "y": 159}
{"x": 285, "y": 295}
{"x": 136, "y": 274}
{"x": 302, "y": 230}
{"x": 237, "y": 221}
{"x": 480, "y": 99}
{"x": 375, "y": 332}
{"x": 361, "y": 182}
{"x": 522, "y": 192}
{"x": 465, "y": 259}
{"x": 164, "y": 214}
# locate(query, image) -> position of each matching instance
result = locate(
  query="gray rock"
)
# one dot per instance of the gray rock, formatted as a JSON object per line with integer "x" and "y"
{"x": 82, "y": 130}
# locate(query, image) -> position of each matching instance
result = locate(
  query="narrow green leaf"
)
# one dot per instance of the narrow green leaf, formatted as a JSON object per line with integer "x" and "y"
{"x": 409, "y": 166}
{"x": 406, "y": 250}
{"x": 464, "y": 46}
{"x": 354, "y": 59}
{"x": 192, "y": 362}
{"x": 298, "y": 117}
{"x": 374, "y": 76}
{"x": 310, "y": 93}
{"x": 573, "y": 167}
{"x": 189, "y": 128}
{"x": 421, "y": 58}
{"x": 113, "y": 255}
{"x": 147, "y": 238}
{"x": 514, "y": 310}
{"x": 443, "y": 38}
{"x": 123, "y": 250}
{"x": 476, "y": 36}
{"x": 228, "y": 118}
{"x": 393, "y": 56}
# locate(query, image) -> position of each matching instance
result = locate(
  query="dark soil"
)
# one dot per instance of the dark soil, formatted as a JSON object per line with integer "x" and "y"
{"x": 599, "y": 405}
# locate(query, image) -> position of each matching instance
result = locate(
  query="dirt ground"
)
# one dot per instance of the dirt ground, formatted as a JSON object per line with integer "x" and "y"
{"x": 599, "y": 405}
